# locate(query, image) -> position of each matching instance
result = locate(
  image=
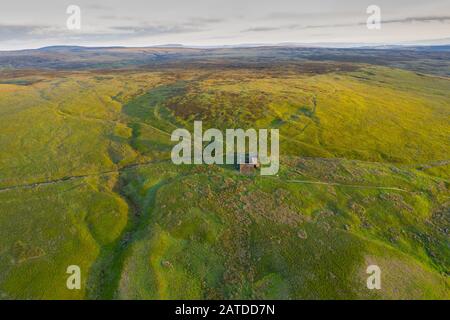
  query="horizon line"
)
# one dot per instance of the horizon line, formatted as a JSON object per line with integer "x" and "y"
{"x": 324, "y": 45}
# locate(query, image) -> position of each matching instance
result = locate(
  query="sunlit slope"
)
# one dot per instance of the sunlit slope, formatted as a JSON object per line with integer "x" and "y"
{"x": 208, "y": 232}
{"x": 374, "y": 114}
{"x": 85, "y": 179}
{"x": 311, "y": 232}
{"x": 63, "y": 143}
{"x": 47, "y": 228}
{"x": 66, "y": 126}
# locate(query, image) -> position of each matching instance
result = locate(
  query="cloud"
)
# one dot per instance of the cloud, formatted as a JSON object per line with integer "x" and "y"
{"x": 207, "y": 20}
{"x": 99, "y": 7}
{"x": 419, "y": 19}
{"x": 441, "y": 19}
{"x": 201, "y": 23}
{"x": 116, "y": 17}
{"x": 12, "y": 32}
{"x": 43, "y": 32}
{"x": 287, "y": 15}
{"x": 155, "y": 29}
{"x": 262, "y": 29}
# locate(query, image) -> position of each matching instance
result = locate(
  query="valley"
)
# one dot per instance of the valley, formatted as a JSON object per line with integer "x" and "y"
{"x": 86, "y": 176}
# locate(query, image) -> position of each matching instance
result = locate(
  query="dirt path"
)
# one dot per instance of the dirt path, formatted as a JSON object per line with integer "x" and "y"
{"x": 345, "y": 185}
{"x": 69, "y": 178}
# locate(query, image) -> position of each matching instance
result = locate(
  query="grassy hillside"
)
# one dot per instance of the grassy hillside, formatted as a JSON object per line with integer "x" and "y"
{"x": 86, "y": 179}
{"x": 213, "y": 233}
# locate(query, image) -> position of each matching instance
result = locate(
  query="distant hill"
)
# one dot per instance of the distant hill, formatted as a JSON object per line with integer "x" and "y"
{"x": 424, "y": 59}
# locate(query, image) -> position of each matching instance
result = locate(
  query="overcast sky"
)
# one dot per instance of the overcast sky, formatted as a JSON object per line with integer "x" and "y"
{"x": 37, "y": 23}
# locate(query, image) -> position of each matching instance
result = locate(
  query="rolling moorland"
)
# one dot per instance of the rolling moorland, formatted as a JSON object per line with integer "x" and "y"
{"x": 86, "y": 177}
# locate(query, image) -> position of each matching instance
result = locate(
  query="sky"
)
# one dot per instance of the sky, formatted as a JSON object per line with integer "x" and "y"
{"x": 31, "y": 24}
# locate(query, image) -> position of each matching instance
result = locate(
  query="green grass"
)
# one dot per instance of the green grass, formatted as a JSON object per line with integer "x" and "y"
{"x": 229, "y": 236}
{"x": 46, "y": 229}
{"x": 85, "y": 179}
